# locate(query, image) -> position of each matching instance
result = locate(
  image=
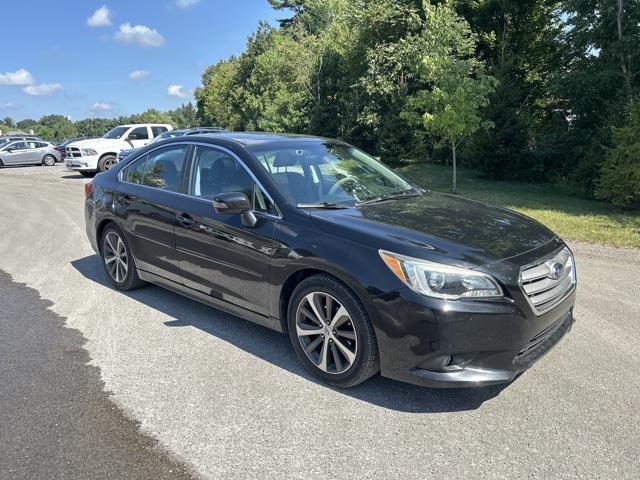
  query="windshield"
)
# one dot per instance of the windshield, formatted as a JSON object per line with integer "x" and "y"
{"x": 314, "y": 173}
{"x": 115, "y": 132}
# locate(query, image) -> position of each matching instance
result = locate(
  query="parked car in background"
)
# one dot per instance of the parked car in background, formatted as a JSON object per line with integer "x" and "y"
{"x": 14, "y": 138}
{"x": 28, "y": 152}
{"x": 365, "y": 271}
{"x": 99, "y": 154}
{"x": 63, "y": 145}
{"x": 174, "y": 133}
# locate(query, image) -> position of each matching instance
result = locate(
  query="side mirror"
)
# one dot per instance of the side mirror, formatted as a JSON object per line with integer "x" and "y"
{"x": 132, "y": 136}
{"x": 234, "y": 203}
{"x": 9, "y": 150}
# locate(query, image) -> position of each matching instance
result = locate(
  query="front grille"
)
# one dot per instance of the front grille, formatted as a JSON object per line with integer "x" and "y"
{"x": 73, "y": 152}
{"x": 548, "y": 282}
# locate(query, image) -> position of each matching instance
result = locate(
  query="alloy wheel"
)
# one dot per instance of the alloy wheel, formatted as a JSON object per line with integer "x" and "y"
{"x": 115, "y": 257}
{"x": 109, "y": 162}
{"x": 326, "y": 333}
{"x": 49, "y": 160}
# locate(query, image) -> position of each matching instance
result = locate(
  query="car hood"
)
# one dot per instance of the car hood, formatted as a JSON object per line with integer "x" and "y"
{"x": 99, "y": 143}
{"x": 442, "y": 227}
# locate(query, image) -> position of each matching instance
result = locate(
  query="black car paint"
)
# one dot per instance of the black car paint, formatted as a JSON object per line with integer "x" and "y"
{"x": 249, "y": 271}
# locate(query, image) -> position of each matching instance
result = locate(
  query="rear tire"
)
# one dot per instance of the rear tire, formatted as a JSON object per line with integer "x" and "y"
{"x": 49, "y": 160}
{"x": 331, "y": 332}
{"x": 118, "y": 261}
{"x": 106, "y": 162}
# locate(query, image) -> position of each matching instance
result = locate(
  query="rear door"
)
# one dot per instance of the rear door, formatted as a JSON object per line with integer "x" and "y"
{"x": 219, "y": 255}
{"x": 146, "y": 202}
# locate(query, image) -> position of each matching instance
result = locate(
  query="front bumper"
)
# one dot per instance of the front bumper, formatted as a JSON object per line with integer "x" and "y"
{"x": 88, "y": 164}
{"x": 470, "y": 343}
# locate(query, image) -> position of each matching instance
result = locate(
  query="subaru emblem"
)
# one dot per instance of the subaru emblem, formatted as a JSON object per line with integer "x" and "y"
{"x": 556, "y": 270}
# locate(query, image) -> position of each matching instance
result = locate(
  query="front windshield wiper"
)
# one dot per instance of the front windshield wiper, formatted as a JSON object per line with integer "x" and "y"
{"x": 325, "y": 205}
{"x": 414, "y": 192}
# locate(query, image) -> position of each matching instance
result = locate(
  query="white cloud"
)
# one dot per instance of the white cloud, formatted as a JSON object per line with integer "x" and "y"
{"x": 19, "y": 77}
{"x": 101, "y": 107}
{"x": 176, "y": 91}
{"x": 140, "y": 35}
{"x": 139, "y": 74}
{"x": 8, "y": 106}
{"x": 100, "y": 18}
{"x": 186, "y": 3}
{"x": 42, "y": 90}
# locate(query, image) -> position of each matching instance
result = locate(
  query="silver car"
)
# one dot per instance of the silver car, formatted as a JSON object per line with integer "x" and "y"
{"x": 28, "y": 152}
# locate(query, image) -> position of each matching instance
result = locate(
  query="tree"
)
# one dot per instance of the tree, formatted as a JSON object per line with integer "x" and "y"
{"x": 94, "y": 127}
{"x": 619, "y": 180}
{"x": 8, "y": 121}
{"x": 184, "y": 116}
{"x": 55, "y": 127}
{"x": 458, "y": 85}
{"x": 26, "y": 124}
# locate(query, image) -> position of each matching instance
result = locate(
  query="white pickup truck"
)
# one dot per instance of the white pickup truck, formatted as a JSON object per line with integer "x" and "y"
{"x": 99, "y": 154}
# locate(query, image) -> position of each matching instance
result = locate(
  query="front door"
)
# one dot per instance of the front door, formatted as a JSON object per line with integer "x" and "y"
{"x": 146, "y": 203}
{"x": 15, "y": 153}
{"x": 138, "y": 137}
{"x": 219, "y": 255}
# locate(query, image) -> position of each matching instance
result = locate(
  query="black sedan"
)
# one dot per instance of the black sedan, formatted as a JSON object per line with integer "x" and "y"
{"x": 314, "y": 238}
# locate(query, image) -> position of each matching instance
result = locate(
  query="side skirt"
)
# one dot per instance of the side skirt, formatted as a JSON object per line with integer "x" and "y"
{"x": 269, "y": 322}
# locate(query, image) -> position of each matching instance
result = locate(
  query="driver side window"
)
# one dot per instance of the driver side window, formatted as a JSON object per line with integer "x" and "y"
{"x": 215, "y": 171}
{"x": 139, "y": 133}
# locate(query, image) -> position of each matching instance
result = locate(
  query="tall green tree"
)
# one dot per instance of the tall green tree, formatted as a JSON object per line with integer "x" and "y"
{"x": 619, "y": 180}
{"x": 458, "y": 84}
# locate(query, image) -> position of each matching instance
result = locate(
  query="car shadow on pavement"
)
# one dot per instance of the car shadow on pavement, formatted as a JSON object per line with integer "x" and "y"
{"x": 276, "y": 349}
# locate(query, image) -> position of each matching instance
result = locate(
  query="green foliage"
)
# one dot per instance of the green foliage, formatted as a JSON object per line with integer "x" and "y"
{"x": 94, "y": 127}
{"x": 26, "y": 125}
{"x": 7, "y": 122}
{"x": 619, "y": 180}
{"x": 55, "y": 127}
{"x": 185, "y": 116}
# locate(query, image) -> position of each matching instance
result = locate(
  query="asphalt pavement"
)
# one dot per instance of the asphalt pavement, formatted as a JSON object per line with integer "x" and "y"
{"x": 228, "y": 399}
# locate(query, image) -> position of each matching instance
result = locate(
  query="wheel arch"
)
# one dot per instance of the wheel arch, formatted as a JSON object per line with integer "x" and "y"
{"x": 107, "y": 154}
{"x": 294, "y": 279}
{"x": 102, "y": 225}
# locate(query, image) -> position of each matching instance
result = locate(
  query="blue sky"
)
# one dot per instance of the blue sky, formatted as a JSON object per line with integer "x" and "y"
{"x": 77, "y": 57}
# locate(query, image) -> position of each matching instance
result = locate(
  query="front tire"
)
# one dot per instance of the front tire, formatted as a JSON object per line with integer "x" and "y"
{"x": 118, "y": 261}
{"x": 331, "y": 332}
{"x": 49, "y": 160}
{"x": 106, "y": 162}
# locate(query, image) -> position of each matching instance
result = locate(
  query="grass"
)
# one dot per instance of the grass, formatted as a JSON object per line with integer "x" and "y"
{"x": 572, "y": 217}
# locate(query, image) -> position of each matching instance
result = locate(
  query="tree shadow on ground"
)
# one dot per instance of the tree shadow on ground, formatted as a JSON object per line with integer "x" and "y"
{"x": 276, "y": 349}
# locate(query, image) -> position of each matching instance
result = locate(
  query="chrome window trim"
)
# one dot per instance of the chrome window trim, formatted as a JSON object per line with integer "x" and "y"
{"x": 219, "y": 147}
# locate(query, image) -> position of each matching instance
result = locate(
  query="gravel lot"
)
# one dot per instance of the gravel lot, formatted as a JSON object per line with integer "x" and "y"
{"x": 229, "y": 398}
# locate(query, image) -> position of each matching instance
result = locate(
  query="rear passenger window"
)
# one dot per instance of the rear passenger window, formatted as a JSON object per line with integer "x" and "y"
{"x": 135, "y": 171}
{"x": 163, "y": 168}
{"x": 158, "y": 131}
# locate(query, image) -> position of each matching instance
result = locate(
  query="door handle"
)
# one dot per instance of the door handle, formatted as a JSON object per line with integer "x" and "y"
{"x": 185, "y": 220}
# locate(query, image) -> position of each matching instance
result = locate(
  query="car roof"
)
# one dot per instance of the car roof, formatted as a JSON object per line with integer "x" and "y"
{"x": 247, "y": 139}
{"x": 129, "y": 125}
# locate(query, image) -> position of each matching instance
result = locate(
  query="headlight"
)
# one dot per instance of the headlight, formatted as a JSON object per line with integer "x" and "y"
{"x": 88, "y": 152}
{"x": 441, "y": 281}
